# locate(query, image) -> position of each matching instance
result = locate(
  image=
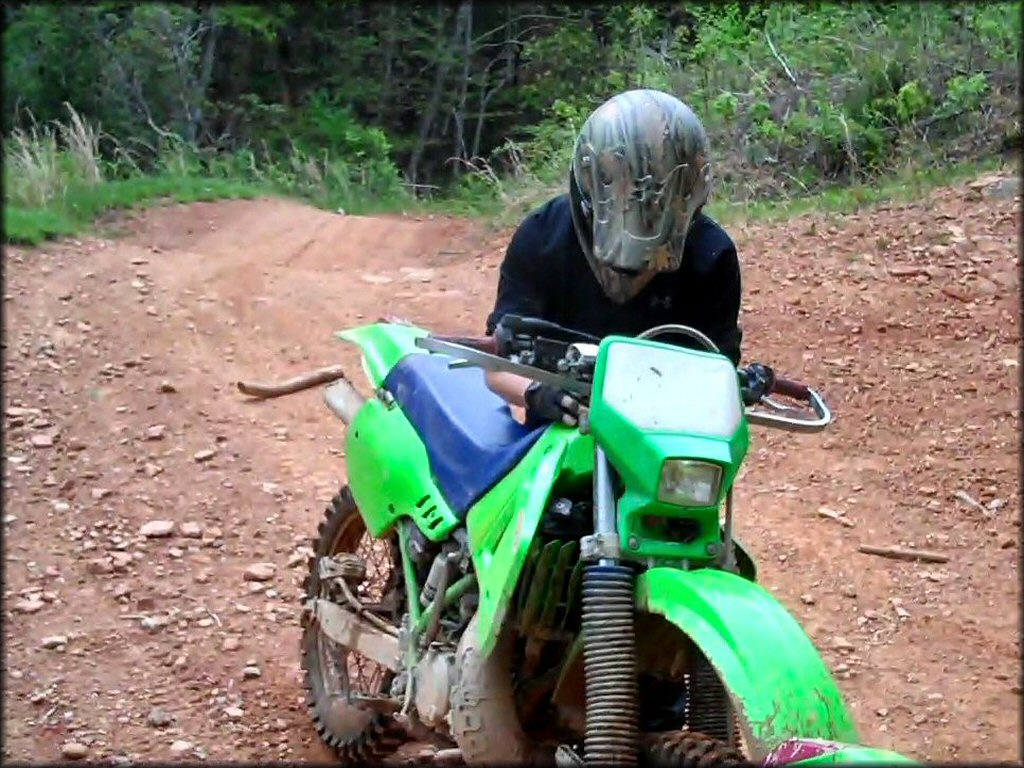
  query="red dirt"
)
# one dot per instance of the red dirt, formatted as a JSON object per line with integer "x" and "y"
{"x": 905, "y": 316}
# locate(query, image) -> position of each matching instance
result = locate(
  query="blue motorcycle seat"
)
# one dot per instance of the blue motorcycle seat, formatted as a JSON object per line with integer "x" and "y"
{"x": 471, "y": 438}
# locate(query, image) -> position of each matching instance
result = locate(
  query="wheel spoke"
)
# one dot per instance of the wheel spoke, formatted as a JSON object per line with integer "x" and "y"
{"x": 351, "y": 672}
{"x": 337, "y": 677}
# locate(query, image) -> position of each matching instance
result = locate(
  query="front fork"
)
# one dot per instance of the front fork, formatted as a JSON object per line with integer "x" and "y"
{"x": 609, "y": 639}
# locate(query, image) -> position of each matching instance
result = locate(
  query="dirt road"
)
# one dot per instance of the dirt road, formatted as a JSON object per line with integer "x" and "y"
{"x": 120, "y": 411}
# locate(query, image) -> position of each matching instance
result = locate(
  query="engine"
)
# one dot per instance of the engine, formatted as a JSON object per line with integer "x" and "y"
{"x": 432, "y": 685}
{"x": 438, "y": 567}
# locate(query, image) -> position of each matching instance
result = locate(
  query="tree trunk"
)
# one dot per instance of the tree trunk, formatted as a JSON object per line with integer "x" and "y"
{"x": 478, "y": 131}
{"x": 486, "y": 96}
{"x": 389, "y": 35}
{"x": 507, "y": 54}
{"x": 440, "y": 76}
{"x": 205, "y": 70}
{"x": 459, "y": 113}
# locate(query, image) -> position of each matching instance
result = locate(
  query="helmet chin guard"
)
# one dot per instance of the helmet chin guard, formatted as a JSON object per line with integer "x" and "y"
{"x": 619, "y": 286}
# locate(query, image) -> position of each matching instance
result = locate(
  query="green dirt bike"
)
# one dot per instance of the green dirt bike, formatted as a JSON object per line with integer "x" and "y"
{"x": 559, "y": 595}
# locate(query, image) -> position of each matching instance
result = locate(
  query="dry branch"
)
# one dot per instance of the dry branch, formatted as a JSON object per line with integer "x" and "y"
{"x": 839, "y": 517}
{"x": 901, "y": 553}
{"x": 263, "y": 390}
{"x": 778, "y": 58}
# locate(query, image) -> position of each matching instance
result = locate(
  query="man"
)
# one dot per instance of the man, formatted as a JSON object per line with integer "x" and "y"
{"x": 627, "y": 248}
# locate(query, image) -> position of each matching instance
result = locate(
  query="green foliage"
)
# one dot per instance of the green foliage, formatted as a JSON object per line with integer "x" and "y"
{"x": 850, "y": 90}
{"x": 255, "y": 20}
{"x": 353, "y": 105}
{"x": 726, "y": 106}
{"x": 903, "y": 186}
{"x": 795, "y": 96}
{"x": 330, "y": 129}
{"x": 760, "y": 111}
{"x": 56, "y": 184}
{"x": 912, "y": 101}
{"x": 964, "y": 94}
{"x": 30, "y": 226}
{"x": 79, "y": 206}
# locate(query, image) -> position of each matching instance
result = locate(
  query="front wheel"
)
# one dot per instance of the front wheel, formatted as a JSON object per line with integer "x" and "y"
{"x": 687, "y": 749}
{"x": 332, "y": 672}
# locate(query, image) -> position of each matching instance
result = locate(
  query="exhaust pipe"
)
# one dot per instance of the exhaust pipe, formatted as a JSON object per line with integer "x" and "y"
{"x": 343, "y": 400}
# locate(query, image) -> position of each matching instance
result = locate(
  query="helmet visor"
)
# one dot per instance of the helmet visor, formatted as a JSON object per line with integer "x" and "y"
{"x": 634, "y": 217}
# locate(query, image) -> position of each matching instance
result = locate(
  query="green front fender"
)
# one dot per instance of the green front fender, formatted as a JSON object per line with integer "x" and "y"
{"x": 779, "y": 684}
{"x": 851, "y": 754}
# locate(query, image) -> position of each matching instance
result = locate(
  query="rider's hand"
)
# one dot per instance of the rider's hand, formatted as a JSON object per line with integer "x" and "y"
{"x": 759, "y": 380}
{"x": 546, "y": 403}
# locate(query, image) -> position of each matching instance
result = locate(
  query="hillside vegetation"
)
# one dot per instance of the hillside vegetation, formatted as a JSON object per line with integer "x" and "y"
{"x": 473, "y": 106}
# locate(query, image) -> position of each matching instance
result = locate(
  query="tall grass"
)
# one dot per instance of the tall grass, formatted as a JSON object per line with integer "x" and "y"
{"x": 57, "y": 181}
{"x": 40, "y": 162}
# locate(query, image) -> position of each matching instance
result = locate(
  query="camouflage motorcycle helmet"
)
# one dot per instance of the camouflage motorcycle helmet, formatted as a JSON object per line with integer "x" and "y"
{"x": 640, "y": 174}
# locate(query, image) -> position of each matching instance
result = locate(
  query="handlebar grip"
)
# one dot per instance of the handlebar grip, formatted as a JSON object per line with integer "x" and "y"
{"x": 789, "y": 388}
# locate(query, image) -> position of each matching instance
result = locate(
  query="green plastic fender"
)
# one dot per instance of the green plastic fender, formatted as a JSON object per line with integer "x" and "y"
{"x": 851, "y": 754}
{"x": 779, "y": 684}
{"x": 383, "y": 345}
{"x": 388, "y": 468}
{"x": 389, "y": 474}
{"x": 503, "y": 524}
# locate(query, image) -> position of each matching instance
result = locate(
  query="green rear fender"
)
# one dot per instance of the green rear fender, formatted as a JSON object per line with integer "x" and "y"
{"x": 388, "y": 467}
{"x": 383, "y": 345}
{"x": 778, "y": 682}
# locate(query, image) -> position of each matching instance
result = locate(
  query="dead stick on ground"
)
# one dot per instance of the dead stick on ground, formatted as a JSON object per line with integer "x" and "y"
{"x": 263, "y": 390}
{"x": 839, "y": 517}
{"x": 900, "y": 553}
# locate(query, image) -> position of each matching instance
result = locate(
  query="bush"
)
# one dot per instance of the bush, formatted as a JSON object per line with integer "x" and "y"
{"x": 56, "y": 181}
{"x": 798, "y": 96}
{"x": 324, "y": 103}
{"x": 852, "y": 91}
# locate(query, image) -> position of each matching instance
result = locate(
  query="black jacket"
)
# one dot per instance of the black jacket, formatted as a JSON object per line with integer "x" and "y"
{"x": 546, "y": 275}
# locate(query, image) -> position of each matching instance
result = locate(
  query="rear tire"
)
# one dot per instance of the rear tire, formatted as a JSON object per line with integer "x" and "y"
{"x": 330, "y": 672}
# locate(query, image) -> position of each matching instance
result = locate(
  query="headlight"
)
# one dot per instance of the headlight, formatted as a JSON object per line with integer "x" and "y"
{"x": 689, "y": 483}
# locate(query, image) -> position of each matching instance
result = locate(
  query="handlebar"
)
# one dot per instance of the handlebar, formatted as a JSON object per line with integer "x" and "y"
{"x": 490, "y": 345}
{"x": 531, "y": 343}
{"x": 793, "y": 389}
{"x": 790, "y": 423}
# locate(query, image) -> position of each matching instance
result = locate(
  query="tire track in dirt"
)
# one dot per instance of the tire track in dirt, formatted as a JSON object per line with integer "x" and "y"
{"x": 905, "y": 316}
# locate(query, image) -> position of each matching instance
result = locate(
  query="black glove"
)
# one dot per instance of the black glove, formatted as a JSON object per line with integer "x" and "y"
{"x": 545, "y": 403}
{"x": 757, "y": 381}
